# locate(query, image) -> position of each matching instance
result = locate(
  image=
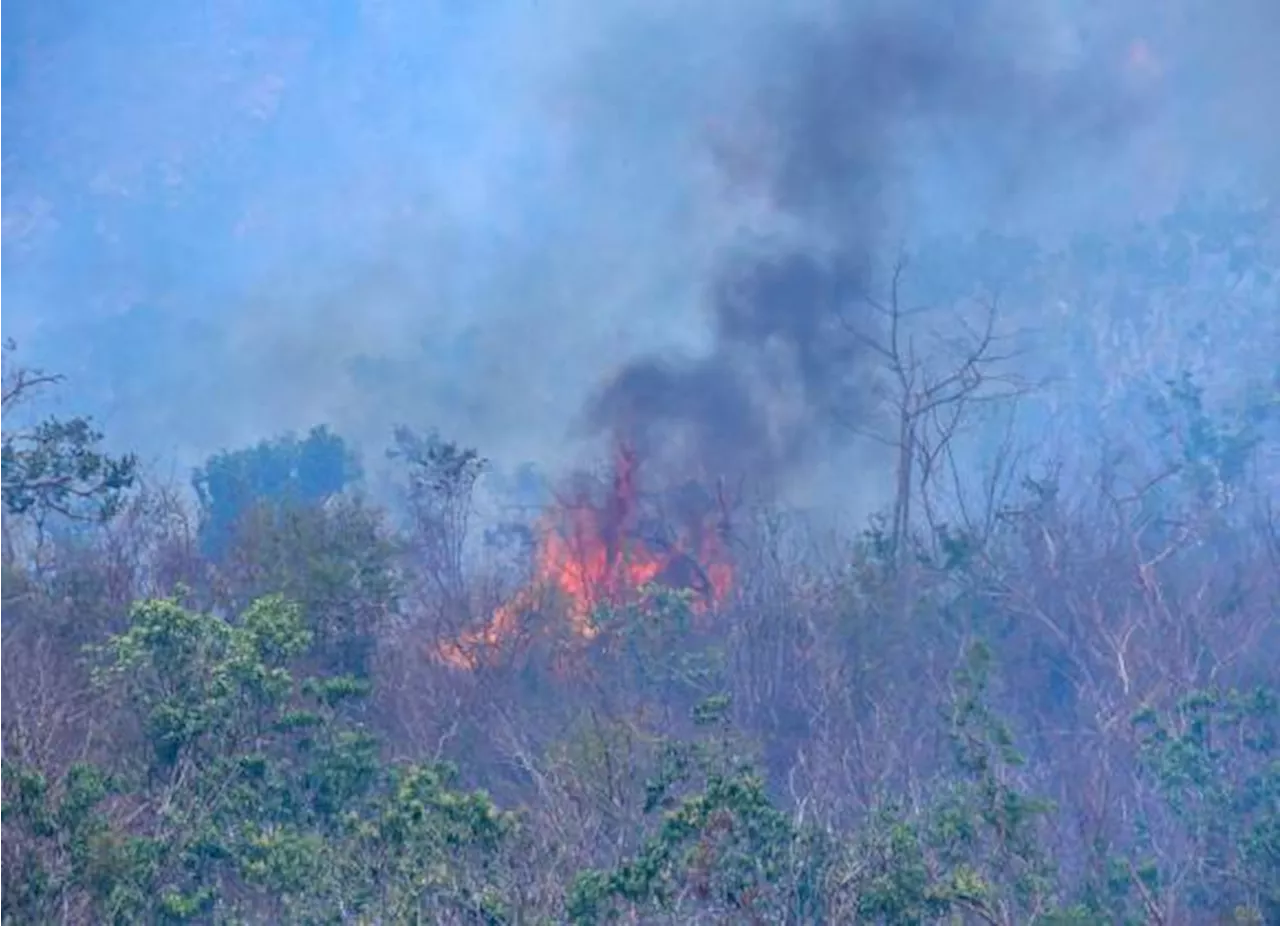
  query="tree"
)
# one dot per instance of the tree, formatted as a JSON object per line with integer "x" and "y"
{"x": 336, "y": 561}
{"x": 272, "y": 474}
{"x": 245, "y": 797}
{"x": 934, "y": 383}
{"x": 442, "y": 478}
{"x": 1215, "y": 759}
{"x": 57, "y": 466}
{"x": 721, "y": 847}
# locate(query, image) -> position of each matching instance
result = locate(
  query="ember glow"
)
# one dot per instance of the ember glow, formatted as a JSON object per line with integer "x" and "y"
{"x": 590, "y": 553}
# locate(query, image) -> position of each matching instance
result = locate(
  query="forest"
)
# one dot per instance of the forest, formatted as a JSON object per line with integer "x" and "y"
{"x": 1037, "y": 684}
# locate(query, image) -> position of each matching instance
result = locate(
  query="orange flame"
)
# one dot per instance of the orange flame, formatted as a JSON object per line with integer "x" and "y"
{"x": 588, "y": 555}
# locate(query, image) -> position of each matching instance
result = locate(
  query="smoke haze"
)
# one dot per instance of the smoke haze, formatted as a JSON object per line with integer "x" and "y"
{"x": 511, "y": 220}
{"x": 834, "y": 131}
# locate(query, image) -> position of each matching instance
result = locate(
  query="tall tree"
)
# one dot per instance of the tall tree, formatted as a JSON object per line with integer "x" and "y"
{"x": 275, "y": 472}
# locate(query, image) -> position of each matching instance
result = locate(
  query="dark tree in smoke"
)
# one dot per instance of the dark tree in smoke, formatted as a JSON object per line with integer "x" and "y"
{"x": 839, "y": 111}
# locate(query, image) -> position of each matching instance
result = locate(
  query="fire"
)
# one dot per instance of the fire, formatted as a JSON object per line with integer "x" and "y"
{"x": 591, "y": 554}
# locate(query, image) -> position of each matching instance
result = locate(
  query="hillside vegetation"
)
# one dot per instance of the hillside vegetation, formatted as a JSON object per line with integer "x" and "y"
{"x": 1033, "y": 690}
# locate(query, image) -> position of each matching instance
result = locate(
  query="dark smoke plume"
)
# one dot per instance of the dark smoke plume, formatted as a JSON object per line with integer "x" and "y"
{"x": 838, "y": 119}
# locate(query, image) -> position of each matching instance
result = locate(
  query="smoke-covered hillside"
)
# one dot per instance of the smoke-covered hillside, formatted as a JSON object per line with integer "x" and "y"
{"x": 642, "y": 462}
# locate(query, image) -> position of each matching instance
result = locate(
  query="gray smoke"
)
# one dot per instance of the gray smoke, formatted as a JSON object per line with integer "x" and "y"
{"x": 474, "y": 217}
{"x": 847, "y": 102}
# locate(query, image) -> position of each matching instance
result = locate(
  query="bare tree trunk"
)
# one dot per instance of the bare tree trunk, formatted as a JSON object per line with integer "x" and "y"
{"x": 902, "y": 520}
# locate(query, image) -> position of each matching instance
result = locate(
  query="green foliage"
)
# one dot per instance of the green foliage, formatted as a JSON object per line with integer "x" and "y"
{"x": 57, "y": 466}
{"x": 336, "y": 561}
{"x": 720, "y": 846}
{"x": 886, "y": 873}
{"x": 272, "y": 474}
{"x": 253, "y": 800}
{"x": 653, "y": 643}
{"x": 251, "y": 797}
{"x": 227, "y": 779}
{"x": 427, "y": 849}
{"x": 1215, "y": 757}
{"x": 974, "y": 849}
{"x": 1210, "y": 454}
{"x": 66, "y": 831}
{"x": 199, "y": 684}
{"x": 986, "y": 829}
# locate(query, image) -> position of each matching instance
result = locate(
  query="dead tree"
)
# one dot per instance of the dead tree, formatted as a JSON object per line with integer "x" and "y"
{"x": 934, "y": 381}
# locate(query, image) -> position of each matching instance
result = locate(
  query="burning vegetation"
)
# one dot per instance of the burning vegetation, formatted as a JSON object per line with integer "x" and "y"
{"x": 602, "y": 545}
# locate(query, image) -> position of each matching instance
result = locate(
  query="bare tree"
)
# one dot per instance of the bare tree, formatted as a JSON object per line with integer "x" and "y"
{"x": 442, "y": 480}
{"x": 934, "y": 382}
